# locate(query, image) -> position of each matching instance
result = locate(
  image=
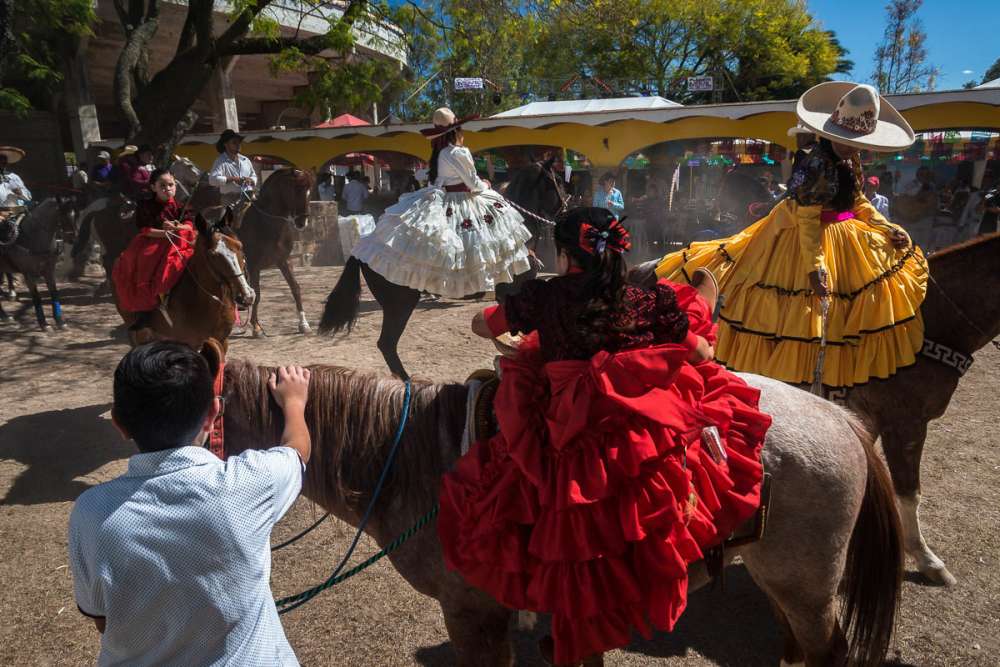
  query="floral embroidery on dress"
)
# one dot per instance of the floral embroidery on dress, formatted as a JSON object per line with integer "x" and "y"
{"x": 447, "y": 211}
{"x": 467, "y": 224}
{"x": 497, "y": 205}
{"x": 488, "y": 219}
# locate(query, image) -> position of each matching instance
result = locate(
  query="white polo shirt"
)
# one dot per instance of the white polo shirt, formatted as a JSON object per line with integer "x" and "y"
{"x": 226, "y": 166}
{"x": 355, "y": 194}
{"x": 175, "y": 554}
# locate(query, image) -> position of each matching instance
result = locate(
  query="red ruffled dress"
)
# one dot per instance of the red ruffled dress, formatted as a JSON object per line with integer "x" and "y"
{"x": 596, "y": 494}
{"x": 150, "y": 267}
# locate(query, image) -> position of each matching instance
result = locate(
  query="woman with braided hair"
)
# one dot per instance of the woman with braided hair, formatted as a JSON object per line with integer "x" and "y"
{"x": 623, "y": 452}
{"x": 824, "y": 242}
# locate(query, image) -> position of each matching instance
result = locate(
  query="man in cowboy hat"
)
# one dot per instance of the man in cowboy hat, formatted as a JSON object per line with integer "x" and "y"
{"x": 233, "y": 172}
{"x": 13, "y": 191}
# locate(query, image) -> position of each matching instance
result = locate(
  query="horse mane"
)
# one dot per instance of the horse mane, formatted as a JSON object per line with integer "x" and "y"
{"x": 965, "y": 245}
{"x": 353, "y": 418}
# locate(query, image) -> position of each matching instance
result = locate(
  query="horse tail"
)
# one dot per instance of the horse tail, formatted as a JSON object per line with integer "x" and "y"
{"x": 873, "y": 576}
{"x": 344, "y": 302}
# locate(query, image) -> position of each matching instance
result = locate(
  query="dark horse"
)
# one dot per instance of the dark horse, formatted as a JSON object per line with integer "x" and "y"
{"x": 961, "y": 315}
{"x": 832, "y": 522}
{"x": 268, "y": 231}
{"x": 35, "y": 251}
{"x": 535, "y": 189}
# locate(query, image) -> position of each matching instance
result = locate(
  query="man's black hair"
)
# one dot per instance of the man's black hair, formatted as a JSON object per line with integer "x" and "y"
{"x": 163, "y": 391}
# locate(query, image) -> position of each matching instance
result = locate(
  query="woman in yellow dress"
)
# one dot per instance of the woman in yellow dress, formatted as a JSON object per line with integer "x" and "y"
{"x": 823, "y": 243}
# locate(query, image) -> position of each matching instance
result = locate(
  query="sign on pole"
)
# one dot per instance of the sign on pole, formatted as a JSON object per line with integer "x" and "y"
{"x": 465, "y": 84}
{"x": 700, "y": 84}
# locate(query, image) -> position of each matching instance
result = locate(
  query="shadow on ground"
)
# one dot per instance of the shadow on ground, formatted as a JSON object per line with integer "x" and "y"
{"x": 733, "y": 628}
{"x": 58, "y": 447}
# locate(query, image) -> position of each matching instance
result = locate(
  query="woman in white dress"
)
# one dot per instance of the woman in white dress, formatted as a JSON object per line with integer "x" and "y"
{"x": 455, "y": 237}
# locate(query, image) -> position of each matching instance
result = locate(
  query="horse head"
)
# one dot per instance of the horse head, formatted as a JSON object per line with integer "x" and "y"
{"x": 741, "y": 199}
{"x": 187, "y": 175}
{"x": 286, "y": 194}
{"x": 224, "y": 256}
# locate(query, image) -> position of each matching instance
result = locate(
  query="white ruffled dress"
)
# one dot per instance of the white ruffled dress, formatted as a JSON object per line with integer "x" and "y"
{"x": 449, "y": 243}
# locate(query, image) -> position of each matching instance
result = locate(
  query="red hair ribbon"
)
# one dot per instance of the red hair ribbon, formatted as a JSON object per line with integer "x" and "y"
{"x": 615, "y": 237}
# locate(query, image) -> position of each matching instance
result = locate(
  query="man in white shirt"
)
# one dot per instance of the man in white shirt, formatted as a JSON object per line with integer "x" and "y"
{"x": 355, "y": 193}
{"x": 172, "y": 560}
{"x": 880, "y": 202}
{"x": 13, "y": 191}
{"x": 233, "y": 172}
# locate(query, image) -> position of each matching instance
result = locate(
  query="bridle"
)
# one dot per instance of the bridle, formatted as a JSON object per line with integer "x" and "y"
{"x": 564, "y": 199}
{"x": 224, "y": 281}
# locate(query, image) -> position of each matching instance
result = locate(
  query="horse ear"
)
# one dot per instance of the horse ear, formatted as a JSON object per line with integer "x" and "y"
{"x": 211, "y": 350}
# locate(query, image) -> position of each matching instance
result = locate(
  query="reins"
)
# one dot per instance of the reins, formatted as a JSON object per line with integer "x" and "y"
{"x": 170, "y": 235}
{"x": 287, "y": 604}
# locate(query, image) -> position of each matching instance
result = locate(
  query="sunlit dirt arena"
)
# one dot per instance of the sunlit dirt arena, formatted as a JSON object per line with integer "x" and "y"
{"x": 56, "y": 441}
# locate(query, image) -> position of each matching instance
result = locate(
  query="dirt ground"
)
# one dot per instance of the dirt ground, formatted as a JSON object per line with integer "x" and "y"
{"x": 56, "y": 441}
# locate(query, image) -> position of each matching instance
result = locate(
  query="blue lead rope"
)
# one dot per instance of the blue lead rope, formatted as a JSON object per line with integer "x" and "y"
{"x": 287, "y": 604}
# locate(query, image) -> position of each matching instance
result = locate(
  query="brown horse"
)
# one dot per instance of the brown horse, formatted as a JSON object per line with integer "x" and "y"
{"x": 832, "y": 512}
{"x": 961, "y": 315}
{"x": 112, "y": 218}
{"x": 269, "y": 230}
{"x": 202, "y": 304}
{"x": 35, "y": 251}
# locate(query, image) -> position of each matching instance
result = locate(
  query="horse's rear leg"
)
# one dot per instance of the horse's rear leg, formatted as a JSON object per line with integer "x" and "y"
{"x": 11, "y": 292}
{"x": 293, "y": 284}
{"x": 36, "y": 301}
{"x": 904, "y": 445}
{"x": 480, "y": 634}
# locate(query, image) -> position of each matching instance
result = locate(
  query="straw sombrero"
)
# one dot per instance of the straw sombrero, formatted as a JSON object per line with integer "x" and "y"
{"x": 13, "y": 153}
{"x": 853, "y": 114}
{"x": 129, "y": 149}
{"x": 444, "y": 122}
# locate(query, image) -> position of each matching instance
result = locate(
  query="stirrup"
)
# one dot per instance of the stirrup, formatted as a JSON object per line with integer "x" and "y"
{"x": 163, "y": 311}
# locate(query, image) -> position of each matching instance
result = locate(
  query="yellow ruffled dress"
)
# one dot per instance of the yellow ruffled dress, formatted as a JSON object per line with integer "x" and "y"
{"x": 771, "y": 322}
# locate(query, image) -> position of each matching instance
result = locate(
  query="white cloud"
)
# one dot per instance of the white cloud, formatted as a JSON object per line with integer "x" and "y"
{"x": 967, "y": 71}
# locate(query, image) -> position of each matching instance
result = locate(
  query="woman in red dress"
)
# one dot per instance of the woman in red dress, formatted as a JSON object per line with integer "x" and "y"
{"x": 598, "y": 491}
{"x": 155, "y": 259}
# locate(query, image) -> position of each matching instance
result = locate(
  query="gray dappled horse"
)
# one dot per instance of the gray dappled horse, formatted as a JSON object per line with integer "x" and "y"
{"x": 536, "y": 188}
{"x": 35, "y": 250}
{"x": 831, "y": 521}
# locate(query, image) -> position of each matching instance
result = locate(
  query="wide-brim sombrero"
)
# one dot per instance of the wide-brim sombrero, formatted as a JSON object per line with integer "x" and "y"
{"x": 444, "y": 122}
{"x": 855, "y": 115}
{"x": 12, "y": 153}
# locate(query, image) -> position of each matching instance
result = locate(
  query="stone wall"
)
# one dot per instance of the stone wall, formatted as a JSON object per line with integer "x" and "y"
{"x": 319, "y": 242}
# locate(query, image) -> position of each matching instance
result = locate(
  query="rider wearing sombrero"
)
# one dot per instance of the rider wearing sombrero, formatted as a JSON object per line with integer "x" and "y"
{"x": 232, "y": 173}
{"x": 455, "y": 237}
{"x": 824, "y": 240}
{"x": 13, "y": 191}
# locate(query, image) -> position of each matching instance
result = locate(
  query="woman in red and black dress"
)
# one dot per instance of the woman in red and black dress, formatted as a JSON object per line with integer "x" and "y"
{"x": 155, "y": 259}
{"x": 597, "y": 493}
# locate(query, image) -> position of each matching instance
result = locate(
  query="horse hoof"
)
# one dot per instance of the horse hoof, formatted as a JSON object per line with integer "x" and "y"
{"x": 259, "y": 333}
{"x": 61, "y": 326}
{"x": 939, "y": 576}
{"x": 304, "y": 328}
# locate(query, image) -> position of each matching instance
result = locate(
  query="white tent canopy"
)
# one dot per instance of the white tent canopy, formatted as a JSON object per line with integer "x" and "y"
{"x": 569, "y": 107}
{"x": 995, "y": 83}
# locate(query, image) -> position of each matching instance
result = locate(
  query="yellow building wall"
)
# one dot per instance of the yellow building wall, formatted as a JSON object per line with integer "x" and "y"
{"x": 605, "y": 146}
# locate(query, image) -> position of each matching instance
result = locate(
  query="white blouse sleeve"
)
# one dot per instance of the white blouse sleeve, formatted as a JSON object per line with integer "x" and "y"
{"x": 466, "y": 168}
{"x": 217, "y": 175}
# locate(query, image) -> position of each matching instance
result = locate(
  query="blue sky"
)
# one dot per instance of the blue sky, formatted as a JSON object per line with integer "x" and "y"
{"x": 963, "y": 36}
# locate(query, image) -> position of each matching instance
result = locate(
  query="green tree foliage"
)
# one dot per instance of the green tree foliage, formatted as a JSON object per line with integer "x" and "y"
{"x": 754, "y": 49}
{"x": 36, "y": 38}
{"x": 992, "y": 73}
